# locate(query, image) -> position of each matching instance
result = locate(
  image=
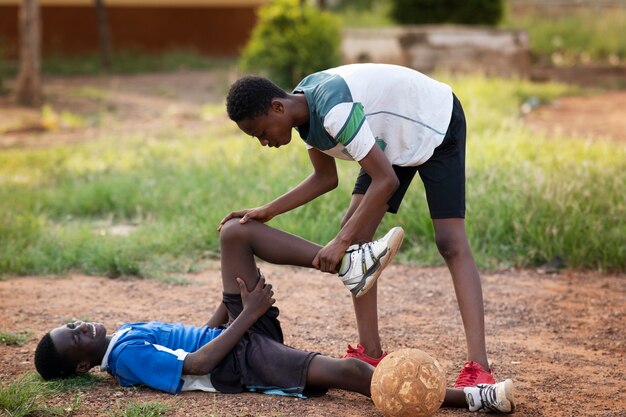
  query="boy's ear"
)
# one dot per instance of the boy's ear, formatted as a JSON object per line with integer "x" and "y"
{"x": 277, "y": 105}
{"x": 83, "y": 367}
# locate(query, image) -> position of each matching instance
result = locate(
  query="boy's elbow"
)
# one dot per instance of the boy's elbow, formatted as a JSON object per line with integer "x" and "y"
{"x": 395, "y": 185}
{"x": 392, "y": 184}
{"x": 329, "y": 183}
{"x": 333, "y": 183}
{"x": 191, "y": 366}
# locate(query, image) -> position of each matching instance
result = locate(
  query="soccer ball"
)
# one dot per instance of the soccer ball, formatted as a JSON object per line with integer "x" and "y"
{"x": 408, "y": 383}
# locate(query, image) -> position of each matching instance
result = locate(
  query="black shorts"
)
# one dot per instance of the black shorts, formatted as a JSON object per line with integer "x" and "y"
{"x": 443, "y": 174}
{"x": 260, "y": 361}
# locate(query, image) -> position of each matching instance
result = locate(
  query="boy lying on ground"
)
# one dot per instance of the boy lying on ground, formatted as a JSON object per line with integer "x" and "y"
{"x": 247, "y": 354}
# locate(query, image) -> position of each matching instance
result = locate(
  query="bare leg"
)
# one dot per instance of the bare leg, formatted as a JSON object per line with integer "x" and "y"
{"x": 455, "y": 398}
{"x": 347, "y": 374}
{"x": 240, "y": 243}
{"x": 219, "y": 317}
{"x": 453, "y": 245}
{"x": 355, "y": 375}
{"x": 366, "y": 307}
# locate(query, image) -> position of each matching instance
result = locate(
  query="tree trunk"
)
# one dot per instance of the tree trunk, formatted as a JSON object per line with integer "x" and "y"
{"x": 28, "y": 90}
{"x": 103, "y": 34}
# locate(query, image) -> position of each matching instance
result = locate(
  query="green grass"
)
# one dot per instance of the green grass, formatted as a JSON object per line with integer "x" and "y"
{"x": 529, "y": 199}
{"x": 26, "y": 396}
{"x": 376, "y": 16}
{"x": 19, "y": 338}
{"x": 578, "y": 35}
{"x": 76, "y": 383}
{"x": 122, "y": 62}
{"x": 135, "y": 409}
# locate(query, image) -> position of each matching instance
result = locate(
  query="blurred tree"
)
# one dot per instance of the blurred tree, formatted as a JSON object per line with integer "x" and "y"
{"x": 103, "y": 34}
{"x": 292, "y": 40}
{"x": 354, "y": 4}
{"x": 470, "y": 12}
{"x": 28, "y": 89}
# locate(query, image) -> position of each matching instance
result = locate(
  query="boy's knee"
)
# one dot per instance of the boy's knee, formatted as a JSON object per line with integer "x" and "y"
{"x": 232, "y": 230}
{"x": 356, "y": 368}
{"x": 450, "y": 247}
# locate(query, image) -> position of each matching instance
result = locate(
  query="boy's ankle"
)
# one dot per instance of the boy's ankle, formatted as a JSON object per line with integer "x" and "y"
{"x": 358, "y": 352}
{"x": 373, "y": 353}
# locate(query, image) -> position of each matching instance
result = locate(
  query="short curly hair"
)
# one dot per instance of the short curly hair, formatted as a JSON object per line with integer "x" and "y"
{"x": 49, "y": 363}
{"x": 250, "y": 97}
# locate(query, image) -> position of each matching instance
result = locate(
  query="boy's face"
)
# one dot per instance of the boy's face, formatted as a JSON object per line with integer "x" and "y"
{"x": 81, "y": 342}
{"x": 272, "y": 129}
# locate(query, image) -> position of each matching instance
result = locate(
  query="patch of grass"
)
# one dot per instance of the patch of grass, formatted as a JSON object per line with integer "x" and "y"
{"x": 377, "y": 15}
{"x": 75, "y": 383}
{"x": 529, "y": 198}
{"x": 122, "y": 62}
{"x": 582, "y": 34}
{"x": 26, "y": 397}
{"x": 135, "y": 409}
{"x": 18, "y": 338}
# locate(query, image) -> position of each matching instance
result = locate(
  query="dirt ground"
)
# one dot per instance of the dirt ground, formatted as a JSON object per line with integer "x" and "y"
{"x": 561, "y": 337}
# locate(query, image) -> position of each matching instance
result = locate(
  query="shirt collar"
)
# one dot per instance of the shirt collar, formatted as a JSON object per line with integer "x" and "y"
{"x": 104, "y": 366}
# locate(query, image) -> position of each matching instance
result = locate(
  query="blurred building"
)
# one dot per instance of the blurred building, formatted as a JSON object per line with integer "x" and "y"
{"x": 69, "y": 27}
{"x": 451, "y": 48}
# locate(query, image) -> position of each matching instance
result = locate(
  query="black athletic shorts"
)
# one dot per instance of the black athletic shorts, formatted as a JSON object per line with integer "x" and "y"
{"x": 260, "y": 361}
{"x": 443, "y": 174}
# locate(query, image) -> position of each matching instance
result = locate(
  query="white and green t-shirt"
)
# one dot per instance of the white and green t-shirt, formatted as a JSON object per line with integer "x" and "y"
{"x": 353, "y": 107}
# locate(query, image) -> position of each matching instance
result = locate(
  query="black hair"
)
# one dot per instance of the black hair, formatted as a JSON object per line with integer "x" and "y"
{"x": 250, "y": 97}
{"x": 49, "y": 363}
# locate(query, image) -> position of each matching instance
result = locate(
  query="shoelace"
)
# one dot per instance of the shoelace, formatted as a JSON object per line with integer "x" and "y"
{"x": 488, "y": 398}
{"x": 468, "y": 375}
{"x": 366, "y": 250}
{"x": 357, "y": 349}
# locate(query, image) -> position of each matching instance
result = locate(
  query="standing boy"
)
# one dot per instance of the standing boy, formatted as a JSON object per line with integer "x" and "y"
{"x": 394, "y": 122}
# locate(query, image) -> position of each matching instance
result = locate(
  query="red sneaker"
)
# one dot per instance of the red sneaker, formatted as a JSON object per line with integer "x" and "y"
{"x": 473, "y": 374}
{"x": 359, "y": 353}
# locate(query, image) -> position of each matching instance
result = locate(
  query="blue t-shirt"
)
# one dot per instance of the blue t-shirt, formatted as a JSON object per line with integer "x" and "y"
{"x": 153, "y": 353}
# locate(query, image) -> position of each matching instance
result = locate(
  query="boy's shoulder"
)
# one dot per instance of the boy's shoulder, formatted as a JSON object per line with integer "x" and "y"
{"x": 323, "y": 91}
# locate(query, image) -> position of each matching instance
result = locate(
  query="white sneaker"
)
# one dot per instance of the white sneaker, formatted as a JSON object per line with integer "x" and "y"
{"x": 491, "y": 398}
{"x": 362, "y": 264}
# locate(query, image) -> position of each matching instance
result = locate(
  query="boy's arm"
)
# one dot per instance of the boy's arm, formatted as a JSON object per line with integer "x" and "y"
{"x": 384, "y": 184}
{"x": 322, "y": 180}
{"x": 255, "y": 304}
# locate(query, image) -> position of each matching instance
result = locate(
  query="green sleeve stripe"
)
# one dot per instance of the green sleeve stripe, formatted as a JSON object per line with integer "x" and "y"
{"x": 352, "y": 125}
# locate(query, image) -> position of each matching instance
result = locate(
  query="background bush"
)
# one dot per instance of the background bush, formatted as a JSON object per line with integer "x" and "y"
{"x": 470, "y": 12}
{"x": 291, "y": 41}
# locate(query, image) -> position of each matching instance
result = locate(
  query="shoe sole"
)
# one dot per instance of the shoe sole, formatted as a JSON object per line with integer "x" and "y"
{"x": 509, "y": 392}
{"x": 394, "y": 244}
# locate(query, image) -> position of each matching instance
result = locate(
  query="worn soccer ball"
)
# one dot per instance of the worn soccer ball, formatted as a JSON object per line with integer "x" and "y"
{"x": 408, "y": 383}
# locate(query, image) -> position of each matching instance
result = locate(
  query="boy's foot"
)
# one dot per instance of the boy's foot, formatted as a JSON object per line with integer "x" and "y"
{"x": 473, "y": 374}
{"x": 362, "y": 264}
{"x": 359, "y": 353}
{"x": 490, "y": 398}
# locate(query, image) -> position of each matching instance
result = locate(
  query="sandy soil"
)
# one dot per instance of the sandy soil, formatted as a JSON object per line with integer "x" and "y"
{"x": 592, "y": 117}
{"x": 560, "y": 337}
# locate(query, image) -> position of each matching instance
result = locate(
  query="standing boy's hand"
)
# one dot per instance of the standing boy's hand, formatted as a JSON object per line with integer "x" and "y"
{"x": 328, "y": 258}
{"x": 260, "y": 214}
{"x": 257, "y": 301}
